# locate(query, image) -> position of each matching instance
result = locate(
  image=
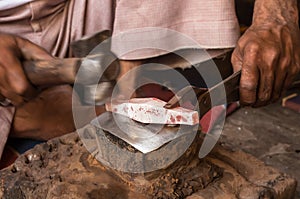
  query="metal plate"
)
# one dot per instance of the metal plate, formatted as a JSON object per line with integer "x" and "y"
{"x": 144, "y": 137}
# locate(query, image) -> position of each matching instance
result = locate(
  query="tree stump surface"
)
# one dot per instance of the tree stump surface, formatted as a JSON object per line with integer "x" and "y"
{"x": 63, "y": 168}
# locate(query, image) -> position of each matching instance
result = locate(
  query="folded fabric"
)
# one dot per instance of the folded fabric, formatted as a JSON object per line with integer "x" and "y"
{"x": 6, "y": 116}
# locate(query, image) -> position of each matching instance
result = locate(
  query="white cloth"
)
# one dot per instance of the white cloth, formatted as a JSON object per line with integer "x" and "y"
{"x": 8, "y": 4}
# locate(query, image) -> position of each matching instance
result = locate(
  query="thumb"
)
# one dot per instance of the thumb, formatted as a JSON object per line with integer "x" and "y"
{"x": 31, "y": 51}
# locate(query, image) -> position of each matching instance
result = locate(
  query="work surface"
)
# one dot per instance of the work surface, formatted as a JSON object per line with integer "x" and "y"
{"x": 62, "y": 168}
{"x": 271, "y": 134}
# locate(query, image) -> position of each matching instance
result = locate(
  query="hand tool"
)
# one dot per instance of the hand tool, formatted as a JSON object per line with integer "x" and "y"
{"x": 63, "y": 71}
{"x": 204, "y": 95}
{"x": 224, "y": 92}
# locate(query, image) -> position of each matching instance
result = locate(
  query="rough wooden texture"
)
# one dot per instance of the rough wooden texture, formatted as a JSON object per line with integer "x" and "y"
{"x": 164, "y": 173}
{"x": 271, "y": 134}
{"x": 63, "y": 168}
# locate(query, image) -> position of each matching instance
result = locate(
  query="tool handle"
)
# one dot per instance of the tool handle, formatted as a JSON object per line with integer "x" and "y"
{"x": 52, "y": 72}
{"x": 224, "y": 92}
{"x": 64, "y": 71}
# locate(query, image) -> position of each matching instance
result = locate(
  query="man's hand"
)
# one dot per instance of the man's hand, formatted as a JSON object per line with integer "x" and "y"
{"x": 42, "y": 115}
{"x": 269, "y": 52}
{"x": 13, "y": 82}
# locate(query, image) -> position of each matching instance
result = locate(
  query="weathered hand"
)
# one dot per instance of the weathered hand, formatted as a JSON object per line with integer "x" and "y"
{"x": 269, "y": 59}
{"x": 13, "y": 82}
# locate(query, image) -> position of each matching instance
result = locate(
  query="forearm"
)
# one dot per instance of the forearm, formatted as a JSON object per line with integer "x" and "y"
{"x": 283, "y": 12}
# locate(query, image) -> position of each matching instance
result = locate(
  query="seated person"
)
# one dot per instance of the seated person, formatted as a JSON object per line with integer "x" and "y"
{"x": 267, "y": 53}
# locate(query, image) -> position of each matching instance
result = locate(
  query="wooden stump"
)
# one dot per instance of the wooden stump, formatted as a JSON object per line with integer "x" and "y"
{"x": 164, "y": 173}
{"x": 63, "y": 168}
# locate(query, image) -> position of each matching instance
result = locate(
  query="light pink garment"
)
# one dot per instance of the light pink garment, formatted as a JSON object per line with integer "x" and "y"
{"x": 6, "y": 116}
{"x": 172, "y": 25}
{"x": 54, "y": 24}
{"x": 4, "y": 4}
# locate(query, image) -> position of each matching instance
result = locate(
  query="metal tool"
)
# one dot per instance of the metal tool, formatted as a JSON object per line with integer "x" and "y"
{"x": 63, "y": 71}
{"x": 204, "y": 100}
{"x": 91, "y": 63}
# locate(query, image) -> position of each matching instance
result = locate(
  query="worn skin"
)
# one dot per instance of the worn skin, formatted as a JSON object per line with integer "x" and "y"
{"x": 268, "y": 55}
{"x": 13, "y": 82}
{"x": 40, "y": 113}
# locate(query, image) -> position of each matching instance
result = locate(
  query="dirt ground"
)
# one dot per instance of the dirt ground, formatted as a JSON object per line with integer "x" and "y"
{"x": 271, "y": 133}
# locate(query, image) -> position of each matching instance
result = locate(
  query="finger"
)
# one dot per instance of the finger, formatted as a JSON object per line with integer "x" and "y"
{"x": 279, "y": 84}
{"x": 266, "y": 67}
{"x": 236, "y": 59}
{"x": 290, "y": 77}
{"x": 31, "y": 51}
{"x": 2, "y": 98}
{"x": 285, "y": 63}
{"x": 249, "y": 76}
{"x": 15, "y": 84}
{"x": 265, "y": 88}
{"x": 4, "y": 101}
{"x": 281, "y": 76}
{"x": 15, "y": 100}
{"x": 7, "y": 94}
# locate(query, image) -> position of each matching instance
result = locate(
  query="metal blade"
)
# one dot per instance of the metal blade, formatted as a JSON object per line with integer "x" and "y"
{"x": 184, "y": 95}
{"x": 231, "y": 87}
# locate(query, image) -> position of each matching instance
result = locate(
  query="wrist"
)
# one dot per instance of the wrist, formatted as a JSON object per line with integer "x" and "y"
{"x": 278, "y": 12}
